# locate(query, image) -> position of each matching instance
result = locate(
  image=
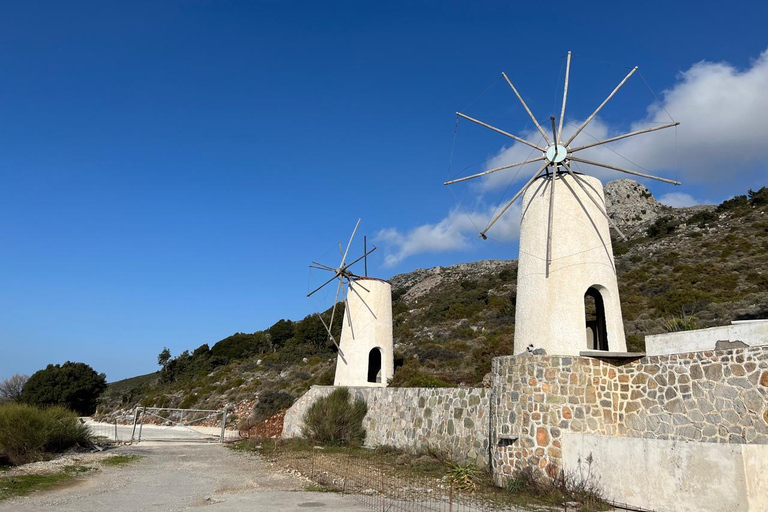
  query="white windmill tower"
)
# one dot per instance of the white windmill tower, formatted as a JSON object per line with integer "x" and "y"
{"x": 566, "y": 257}
{"x": 366, "y": 353}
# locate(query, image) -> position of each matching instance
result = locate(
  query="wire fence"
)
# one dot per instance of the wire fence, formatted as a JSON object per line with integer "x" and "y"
{"x": 378, "y": 485}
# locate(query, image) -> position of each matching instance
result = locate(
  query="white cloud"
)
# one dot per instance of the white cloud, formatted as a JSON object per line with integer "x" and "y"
{"x": 719, "y": 107}
{"x": 678, "y": 200}
{"x": 451, "y": 233}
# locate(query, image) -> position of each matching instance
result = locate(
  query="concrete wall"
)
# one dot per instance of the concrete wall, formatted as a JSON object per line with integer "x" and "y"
{"x": 749, "y": 332}
{"x": 452, "y": 420}
{"x": 674, "y": 476}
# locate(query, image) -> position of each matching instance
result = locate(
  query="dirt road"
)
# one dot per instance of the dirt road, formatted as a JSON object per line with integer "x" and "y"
{"x": 184, "y": 476}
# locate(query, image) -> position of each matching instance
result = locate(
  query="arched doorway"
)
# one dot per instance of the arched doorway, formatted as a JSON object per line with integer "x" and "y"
{"x": 594, "y": 309}
{"x": 374, "y": 365}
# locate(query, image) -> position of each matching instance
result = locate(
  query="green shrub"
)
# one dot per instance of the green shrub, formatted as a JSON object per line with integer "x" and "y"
{"x": 336, "y": 420}
{"x": 27, "y": 432}
{"x": 701, "y": 219}
{"x": 733, "y": 203}
{"x": 662, "y": 226}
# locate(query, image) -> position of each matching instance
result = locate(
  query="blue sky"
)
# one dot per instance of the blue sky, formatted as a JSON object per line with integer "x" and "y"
{"x": 169, "y": 169}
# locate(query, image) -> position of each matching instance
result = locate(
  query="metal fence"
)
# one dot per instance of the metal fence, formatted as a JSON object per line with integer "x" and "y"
{"x": 378, "y": 487}
{"x": 165, "y": 424}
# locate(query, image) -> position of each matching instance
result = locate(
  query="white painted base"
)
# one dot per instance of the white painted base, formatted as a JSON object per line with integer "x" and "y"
{"x": 367, "y": 327}
{"x": 550, "y": 312}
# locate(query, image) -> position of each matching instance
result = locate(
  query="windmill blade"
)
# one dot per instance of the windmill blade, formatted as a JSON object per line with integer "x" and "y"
{"x": 341, "y": 251}
{"x": 336, "y": 300}
{"x": 360, "y": 258}
{"x": 490, "y": 171}
{"x": 541, "y": 130}
{"x": 621, "y": 169}
{"x": 322, "y": 286}
{"x": 506, "y": 207}
{"x": 361, "y": 298}
{"x": 579, "y": 182}
{"x": 592, "y": 221}
{"x": 565, "y": 95}
{"x": 515, "y": 137}
{"x": 349, "y": 314}
{"x": 323, "y": 268}
{"x": 551, "y": 218}
{"x": 320, "y": 265}
{"x": 343, "y": 258}
{"x": 585, "y": 123}
{"x": 330, "y": 335}
{"x": 358, "y": 284}
{"x": 631, "y": 134}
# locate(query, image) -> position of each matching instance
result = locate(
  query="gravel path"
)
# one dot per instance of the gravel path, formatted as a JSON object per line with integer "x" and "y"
{"x": 184, "y": 476}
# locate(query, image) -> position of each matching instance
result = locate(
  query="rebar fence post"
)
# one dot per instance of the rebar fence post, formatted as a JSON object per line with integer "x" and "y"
{"x": 346, "y": 473}
{"x": 312, "y": 471}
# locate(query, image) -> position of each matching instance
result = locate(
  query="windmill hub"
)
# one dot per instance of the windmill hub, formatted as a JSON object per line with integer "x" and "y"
{"x": 556, "y": 153}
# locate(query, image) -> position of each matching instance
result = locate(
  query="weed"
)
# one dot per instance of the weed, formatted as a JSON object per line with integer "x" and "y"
{"x": 121, "y": 460}
{"x": 11, "y": 487}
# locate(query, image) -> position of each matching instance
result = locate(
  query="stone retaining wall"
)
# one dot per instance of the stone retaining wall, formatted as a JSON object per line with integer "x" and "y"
{"x": 715, "y": 397}
{"x": 454, "y": 421}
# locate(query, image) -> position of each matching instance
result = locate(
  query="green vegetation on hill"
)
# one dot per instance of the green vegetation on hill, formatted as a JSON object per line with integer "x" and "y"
{"x": 704, "y": 269}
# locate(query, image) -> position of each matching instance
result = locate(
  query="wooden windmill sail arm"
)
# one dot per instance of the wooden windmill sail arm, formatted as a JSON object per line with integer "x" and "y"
{"x": 538, "y": 126}
{"x": 551, "y": 219}
{"x": 585, "y": 123}
{"x": 592, "y": 221}
{"x": 322, "y": 285}
{"x": 360, "y": 258}
{"x": 631, "y": 134}
{"x": 360, "y": 296}
{"x": 491, "y": 171}
{"x": 579, "y": 182}
{"x": 349, "y": 314}
{"x": 515, "y": 137}
{"x": 344, "y": 258}
{"x": 511, "y": 201}
{"x": 330, "y": 335}
{"x": 621, "y": 169}
{"x": 565, "y": 96}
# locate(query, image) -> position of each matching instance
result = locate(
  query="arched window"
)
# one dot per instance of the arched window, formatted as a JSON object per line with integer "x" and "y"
{"x": 597, "y": 338}
{"x": 374, "y": 365}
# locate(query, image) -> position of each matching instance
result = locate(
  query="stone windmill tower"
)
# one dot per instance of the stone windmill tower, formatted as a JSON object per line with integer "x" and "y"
{"x": 567, "y": 292}
{"x": 365, "y": 348}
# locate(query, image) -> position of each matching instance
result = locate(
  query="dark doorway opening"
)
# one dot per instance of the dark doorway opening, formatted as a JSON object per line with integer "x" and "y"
{"x": 374, "y": 365}
{"x": 597, "y": 338}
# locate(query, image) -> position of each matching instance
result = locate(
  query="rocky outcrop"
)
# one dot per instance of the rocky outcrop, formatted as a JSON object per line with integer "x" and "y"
{"x": 630, "y": 204}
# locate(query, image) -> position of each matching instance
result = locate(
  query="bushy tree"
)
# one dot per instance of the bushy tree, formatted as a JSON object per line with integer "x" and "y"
{"x": 281, "y": 332}
{"x": 163, "y": 357}
{"x": 75, "y": 386}
{"x": 10, "y": 388}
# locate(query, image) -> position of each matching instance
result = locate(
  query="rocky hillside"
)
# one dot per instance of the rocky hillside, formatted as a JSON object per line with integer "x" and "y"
{"x": 680, "y": 268}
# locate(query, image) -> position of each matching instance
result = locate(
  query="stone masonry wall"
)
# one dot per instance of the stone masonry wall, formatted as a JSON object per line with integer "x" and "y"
{"x": 711, "y": 396}
{"x": 455, "y": 421}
